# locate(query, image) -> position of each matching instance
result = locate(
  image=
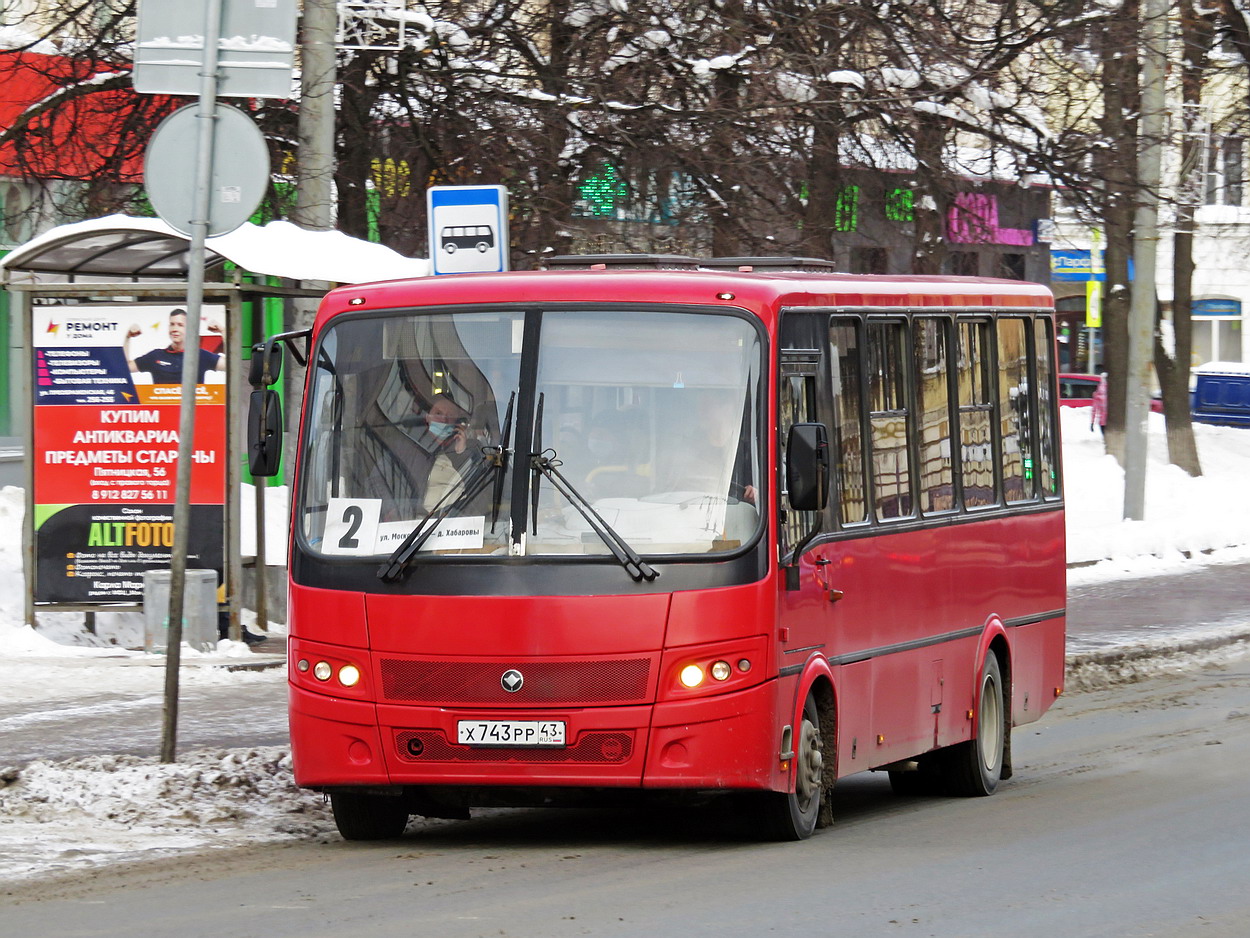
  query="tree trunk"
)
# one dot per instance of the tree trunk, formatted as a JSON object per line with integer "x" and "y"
{"x": 929, "y": 245}
{"x": 1196, "y": 38}
{"x": 823, "y": 186}
{"x": 1121, "y": 100}
{"x": 354, "y": 169}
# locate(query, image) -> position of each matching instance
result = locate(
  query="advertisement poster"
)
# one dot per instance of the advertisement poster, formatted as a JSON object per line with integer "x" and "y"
{"x": 106, "y": 396}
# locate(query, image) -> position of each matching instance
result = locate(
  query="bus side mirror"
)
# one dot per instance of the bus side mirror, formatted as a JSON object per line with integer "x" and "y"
{"x": 807, "y": 466}
{"x": 266, "y": 364}
{"x": 264, "y": 433}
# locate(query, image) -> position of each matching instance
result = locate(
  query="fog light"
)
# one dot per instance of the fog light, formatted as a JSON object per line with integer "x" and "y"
{"x": 691, "y": 675}
{"x": 322, "y": 670}
{"x": 721, "y": 670}
{"x": 349, "y": 675}
{"x": 302, "y": 665}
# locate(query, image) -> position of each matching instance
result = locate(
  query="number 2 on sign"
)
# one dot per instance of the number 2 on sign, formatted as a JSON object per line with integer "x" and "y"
{"x": 351, "y": 526}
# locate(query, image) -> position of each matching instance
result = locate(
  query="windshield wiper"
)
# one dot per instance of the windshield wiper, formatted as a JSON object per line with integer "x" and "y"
{"x": 494, "y": 463}
{"x": 502, "y": 467}
{"x": 545, "y": 464}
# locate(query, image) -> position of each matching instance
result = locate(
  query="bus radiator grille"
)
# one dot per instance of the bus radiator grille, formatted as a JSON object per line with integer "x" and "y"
{"x": 624, "y": 680}
{"x": 591, "y": 747}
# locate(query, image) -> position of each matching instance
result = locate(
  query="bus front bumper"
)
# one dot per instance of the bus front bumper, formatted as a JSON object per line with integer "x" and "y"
{"x": 722, "y": 742}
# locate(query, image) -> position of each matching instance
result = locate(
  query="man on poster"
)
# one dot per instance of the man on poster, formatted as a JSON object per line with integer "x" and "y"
{"x": 165, "y": 365}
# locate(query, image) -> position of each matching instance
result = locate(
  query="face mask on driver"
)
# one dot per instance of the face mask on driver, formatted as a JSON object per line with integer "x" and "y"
{"x": 442, "y": 430}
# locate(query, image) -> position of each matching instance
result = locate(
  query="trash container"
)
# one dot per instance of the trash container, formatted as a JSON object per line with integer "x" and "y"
{"x": 199, "y": 610}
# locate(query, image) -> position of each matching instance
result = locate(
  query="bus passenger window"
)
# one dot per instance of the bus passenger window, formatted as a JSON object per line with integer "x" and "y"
{"x": 1015, "y": 414}
{"x": 887, "y": 401}
{"x": 976, "y": 408}
{"x": 937, "y": 482}
{"x": 1046, "y": 469}
{"x": 847, "y": 437}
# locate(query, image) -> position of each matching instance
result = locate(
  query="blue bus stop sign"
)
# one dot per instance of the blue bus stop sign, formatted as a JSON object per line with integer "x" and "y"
{"x": 468, "y": 229}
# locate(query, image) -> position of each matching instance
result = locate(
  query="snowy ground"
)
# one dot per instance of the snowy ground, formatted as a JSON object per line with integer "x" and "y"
{"x": 61, "y": 817}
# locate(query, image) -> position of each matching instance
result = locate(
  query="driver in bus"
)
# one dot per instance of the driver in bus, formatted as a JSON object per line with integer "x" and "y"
{"x": 448, "y": 425}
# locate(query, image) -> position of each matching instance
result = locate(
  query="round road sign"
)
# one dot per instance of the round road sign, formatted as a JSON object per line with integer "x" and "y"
{"x": 240, "y": 169}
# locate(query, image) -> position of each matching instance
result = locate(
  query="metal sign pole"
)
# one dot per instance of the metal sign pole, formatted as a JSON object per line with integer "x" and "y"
{"x": 190, "y": 373}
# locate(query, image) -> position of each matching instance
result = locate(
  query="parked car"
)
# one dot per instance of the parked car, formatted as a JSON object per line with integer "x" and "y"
{"x": 1077, "y": 390}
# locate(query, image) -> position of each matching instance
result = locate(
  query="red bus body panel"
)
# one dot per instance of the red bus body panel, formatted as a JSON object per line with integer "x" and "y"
{"x": 901, "y": 647}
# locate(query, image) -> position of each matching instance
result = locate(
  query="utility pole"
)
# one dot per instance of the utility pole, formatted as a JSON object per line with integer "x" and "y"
{"x": 315, "y": 164}
{"x": 1154, "y": 36}
{"x": 314, "y": 174}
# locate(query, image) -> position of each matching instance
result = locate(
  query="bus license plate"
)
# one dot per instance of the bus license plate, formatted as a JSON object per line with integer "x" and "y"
{"x": 510, "y": 732}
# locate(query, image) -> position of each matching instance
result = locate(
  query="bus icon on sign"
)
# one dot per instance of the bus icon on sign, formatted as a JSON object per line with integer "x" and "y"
{"x": 467, "y": 229}
{"x": 453, "y": 238}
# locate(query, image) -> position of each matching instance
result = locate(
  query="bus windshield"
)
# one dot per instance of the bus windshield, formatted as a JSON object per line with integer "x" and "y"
{"x": 651, "y": 419}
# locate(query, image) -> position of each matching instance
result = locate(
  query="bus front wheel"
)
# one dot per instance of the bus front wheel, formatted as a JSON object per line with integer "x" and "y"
{"x": 793, "y": 815}
{"x": 363, "y": 816}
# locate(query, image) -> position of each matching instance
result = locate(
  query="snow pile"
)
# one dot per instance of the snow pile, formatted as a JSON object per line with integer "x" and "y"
{"x": 1184, "y": 516}
{"x": 1138, "y": 662}
{"x": 139, "y": 808}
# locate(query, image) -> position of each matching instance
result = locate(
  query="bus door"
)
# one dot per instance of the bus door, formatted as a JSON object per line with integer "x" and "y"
{"x": 822, "y": 608}
{"x": 807, "y": 593}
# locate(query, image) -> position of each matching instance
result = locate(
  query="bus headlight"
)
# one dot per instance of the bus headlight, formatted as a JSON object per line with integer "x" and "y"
{"x": 715, "y": 668}
{"x": 349, "y": 675}
{"x": 322, "y": 670}
{"x": 691, "y": 676}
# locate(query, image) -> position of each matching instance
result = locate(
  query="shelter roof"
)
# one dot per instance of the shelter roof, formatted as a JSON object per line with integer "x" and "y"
{"x": 118, "y": 247}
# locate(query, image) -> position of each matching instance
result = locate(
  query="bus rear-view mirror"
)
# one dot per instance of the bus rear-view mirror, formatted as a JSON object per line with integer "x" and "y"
{"x": 266, "y": 364}
{"x": 807, "y": 466}
{"x": 264, "y": 433}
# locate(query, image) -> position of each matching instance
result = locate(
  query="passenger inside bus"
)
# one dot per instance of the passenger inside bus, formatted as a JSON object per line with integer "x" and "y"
{"x": 715, "y": 459}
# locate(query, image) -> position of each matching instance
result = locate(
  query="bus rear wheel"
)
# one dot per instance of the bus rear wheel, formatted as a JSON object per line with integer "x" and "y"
{"x": 793, "y": 815}
{"x": 363, "y": 816}
{"x": 974, "y": 768}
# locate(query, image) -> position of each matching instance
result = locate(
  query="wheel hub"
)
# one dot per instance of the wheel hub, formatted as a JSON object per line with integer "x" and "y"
{"x": 811, "y": 763}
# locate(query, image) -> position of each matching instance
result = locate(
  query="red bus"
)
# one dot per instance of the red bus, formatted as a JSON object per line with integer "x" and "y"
{"x": 651, "y": 530}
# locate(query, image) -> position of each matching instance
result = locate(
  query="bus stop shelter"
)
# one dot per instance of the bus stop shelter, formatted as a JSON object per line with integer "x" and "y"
{"x": 83, "y": 278}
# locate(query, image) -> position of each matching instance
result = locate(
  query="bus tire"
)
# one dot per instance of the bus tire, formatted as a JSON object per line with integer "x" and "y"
{"x": 974, "y": 768}
{"x": 450, "y": 247}
{"x": 793, "y": 815}
{"x": 362, "y": 816}
{"x": 482, "y": 247}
